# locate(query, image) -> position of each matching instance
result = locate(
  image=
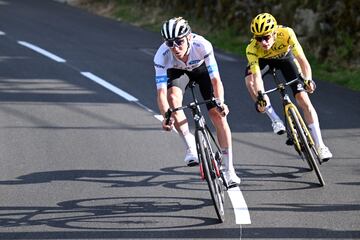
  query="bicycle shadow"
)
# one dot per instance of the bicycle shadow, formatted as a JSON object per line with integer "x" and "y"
{"x": 108, "y": 218}
{"x": 125, "y": 216}
{"x": 188, "y": 180}
{"x": 290, "y": 178}
{"x": 121, "y": 216}
{"x": 110, "y": 213}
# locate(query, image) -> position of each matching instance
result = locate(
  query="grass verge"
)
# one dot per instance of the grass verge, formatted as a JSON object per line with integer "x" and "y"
{"x": 227, "y": 39}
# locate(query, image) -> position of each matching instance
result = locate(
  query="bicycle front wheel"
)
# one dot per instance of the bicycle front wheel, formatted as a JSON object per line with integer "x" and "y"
{"x": 211, "y": 172}
{"x": 306, "y": 148}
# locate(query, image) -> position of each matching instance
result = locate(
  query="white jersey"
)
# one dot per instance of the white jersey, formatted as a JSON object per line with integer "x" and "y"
{"x": 201, "y": 51}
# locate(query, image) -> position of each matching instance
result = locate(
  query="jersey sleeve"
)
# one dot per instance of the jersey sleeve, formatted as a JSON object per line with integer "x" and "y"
{"x": 160, "y": 70}
{"x": 294, "y": 43}
{"x": 210, "y": 61}
{"x": 252, "y": 57}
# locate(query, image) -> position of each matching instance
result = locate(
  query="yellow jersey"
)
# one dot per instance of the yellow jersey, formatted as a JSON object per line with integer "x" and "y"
{"x": 285, "y": 40}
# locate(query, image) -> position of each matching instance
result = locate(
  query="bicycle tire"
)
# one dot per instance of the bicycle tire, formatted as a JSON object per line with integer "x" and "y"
{"x": 213, "y": 181}
{"x": 295, "y": 137}
{"x": 315, "y": 152}
{"x": 306, "y": 148}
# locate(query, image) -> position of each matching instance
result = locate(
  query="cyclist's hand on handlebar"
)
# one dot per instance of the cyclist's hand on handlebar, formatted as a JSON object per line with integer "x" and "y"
{"x": 168, "y": 122}
{"x": 169, "y": 126}
{"x": 309, "y": 85}
{"x": 260, "y": 102}
{"x": 222, "y": 108}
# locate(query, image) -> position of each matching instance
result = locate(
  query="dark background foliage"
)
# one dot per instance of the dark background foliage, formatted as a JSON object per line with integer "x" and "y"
{"x": 330, "y": 29}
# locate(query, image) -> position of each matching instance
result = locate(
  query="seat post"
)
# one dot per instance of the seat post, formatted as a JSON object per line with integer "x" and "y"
{"x": 275, "y": 76}
{"x": 192, "y": 87}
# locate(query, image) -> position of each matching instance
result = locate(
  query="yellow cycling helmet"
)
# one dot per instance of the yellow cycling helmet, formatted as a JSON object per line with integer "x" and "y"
{"x": 263, "y": 24}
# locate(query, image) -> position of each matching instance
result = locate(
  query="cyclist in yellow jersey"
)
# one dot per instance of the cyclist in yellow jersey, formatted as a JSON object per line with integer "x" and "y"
{"x": 277, "y": 46}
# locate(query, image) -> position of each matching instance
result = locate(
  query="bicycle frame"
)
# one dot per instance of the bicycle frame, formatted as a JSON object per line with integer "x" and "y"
{"x": 287, "y": 105}
{"x": 210, "y": 160}
{"x": 199, "y": 120}
{"x": 297, "y": 129}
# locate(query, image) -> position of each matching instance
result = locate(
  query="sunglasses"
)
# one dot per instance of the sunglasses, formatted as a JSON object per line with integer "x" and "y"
{"x": 177, "y": 42}
{"x": 261, "y": 38}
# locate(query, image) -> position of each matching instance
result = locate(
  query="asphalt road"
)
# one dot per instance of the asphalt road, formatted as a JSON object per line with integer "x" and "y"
{"x": 83, "y": 157}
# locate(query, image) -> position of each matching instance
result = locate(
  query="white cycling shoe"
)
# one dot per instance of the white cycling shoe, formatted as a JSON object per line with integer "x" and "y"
{"x": 191, "y": 157}
{"x": 278, "y": 127}
{"x": 324, "y": 153}
{"x": 231, "y": 178}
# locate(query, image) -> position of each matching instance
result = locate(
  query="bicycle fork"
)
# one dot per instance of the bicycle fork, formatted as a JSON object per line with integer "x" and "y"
{"x": 215, "y": 158}
{"x": 291, "y": 106}
{"x": 214, "y": 155}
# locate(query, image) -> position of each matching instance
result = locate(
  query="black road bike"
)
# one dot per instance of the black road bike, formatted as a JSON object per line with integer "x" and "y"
{"x": 209, "y": 152}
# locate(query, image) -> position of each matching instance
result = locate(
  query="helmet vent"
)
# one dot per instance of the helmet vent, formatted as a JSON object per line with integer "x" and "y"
{"x": 263, "y": 24}
{"x": 175, "y": 28}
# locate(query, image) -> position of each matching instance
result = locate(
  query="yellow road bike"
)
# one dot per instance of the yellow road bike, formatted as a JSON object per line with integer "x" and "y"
{"x": 298, "y": 133}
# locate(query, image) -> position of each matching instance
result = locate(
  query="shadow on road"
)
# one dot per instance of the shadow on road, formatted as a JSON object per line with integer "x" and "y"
{"x": 126, "y": 216}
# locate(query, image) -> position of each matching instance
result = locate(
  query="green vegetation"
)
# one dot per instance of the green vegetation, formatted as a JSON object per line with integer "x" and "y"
{"x": 151, "y": 14}
{"x": 345, "y": 77}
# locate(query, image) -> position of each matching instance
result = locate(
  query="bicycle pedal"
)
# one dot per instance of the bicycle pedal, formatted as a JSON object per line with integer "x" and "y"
{"x": 289, "y": 142}
{"x": 192, "y": 163}
{"x": 232, "y": 185}
{"x": 281, "y": 132}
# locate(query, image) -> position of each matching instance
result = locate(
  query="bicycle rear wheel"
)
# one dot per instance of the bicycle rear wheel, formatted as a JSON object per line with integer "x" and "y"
{"x": 306, "y": 148}
{"x": 211, "y": 172}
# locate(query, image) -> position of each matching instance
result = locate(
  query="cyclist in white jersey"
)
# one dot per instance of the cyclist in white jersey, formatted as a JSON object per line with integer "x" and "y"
{"x": 186, "y": 56}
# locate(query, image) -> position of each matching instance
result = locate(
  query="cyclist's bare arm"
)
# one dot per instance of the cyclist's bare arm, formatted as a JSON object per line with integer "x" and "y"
{"x": 249, "y": 81}
{"x": 163, "y": 105}
{"x": 258, "y": 85}
{"x": 162, "y": 100}
{"x": 218, "y": 88}
{"x": 306, "y": 71}
{"x": 219, "y": 94}
{"x": 258, "y": 82}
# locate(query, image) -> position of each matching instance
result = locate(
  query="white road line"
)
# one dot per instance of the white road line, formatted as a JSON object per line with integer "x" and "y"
{"x": 161, "y": 118}
{"x": 42, "y": 51}
{"x": 109, "y": 86}
{"x": 2, "y": 33}
{"x": 242, "y": 215}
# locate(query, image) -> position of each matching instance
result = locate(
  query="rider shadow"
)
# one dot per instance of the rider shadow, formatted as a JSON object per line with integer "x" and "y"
{"x": 252, "y": 176}
{"x": 121, "y": 216}
{"x": 112, "y": 178}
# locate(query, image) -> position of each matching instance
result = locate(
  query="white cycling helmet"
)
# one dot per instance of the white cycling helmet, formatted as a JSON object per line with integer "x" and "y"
{"x": 175, "y": 28}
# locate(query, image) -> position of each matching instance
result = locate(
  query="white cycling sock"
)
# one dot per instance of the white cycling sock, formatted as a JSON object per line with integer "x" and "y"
{"x": 316, "y": 134}
{"x": 227, "y": 159}
{"x": 189, "y": 139}
{"x": 271, "y": 113}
